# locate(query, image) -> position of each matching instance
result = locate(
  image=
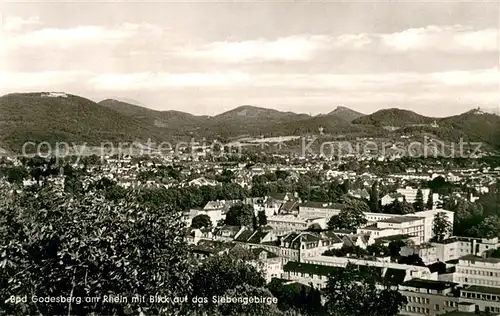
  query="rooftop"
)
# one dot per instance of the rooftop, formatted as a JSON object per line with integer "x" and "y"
{"x": 401, "y": 219}
{"x": 429, "y": 284}
{"x": 480, "y": 259}
{"x": 482, "y": 289}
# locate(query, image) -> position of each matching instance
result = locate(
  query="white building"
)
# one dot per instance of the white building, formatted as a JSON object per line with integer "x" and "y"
{"x": 215, "y": 215}
{"x": 314, "y": 210}
{"x": 283, "y": 224}
{"x": 473, "y": 270}
{"x": 319, "y": 263}
{"x": 410, "y": 194}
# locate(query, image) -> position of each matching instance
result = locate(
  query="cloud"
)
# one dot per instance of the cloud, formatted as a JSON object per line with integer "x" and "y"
{"x": 154, "y": 81}
{"x": 15, "y": 23}
{"x": 77, "y": 37}
{"x": 454, "y": 39}
{"x": 294, "y": 48}
{"x": 438, "y": 39}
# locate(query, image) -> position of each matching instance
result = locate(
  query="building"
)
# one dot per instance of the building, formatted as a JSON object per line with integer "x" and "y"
{"x": 215, "y": 215}
{"x": 410, "y": 272}
{"x": 202, "y": 181}
{"x": 293, "y": 246}
{"x": 316, "y": 270}
{"x": 315, "y": 209}
{"x": 391, "y": 197}
{"x": 54, "y": 95}
{"x": 486, "y": 299}
{"x": 269, "y": 263}
{"x": 428, "y": 297}
{"x": 405, "y": 225}
{"x": 410, "y": 194}
{"x": 473, "y": 270}
{"x": 283, "y": 224}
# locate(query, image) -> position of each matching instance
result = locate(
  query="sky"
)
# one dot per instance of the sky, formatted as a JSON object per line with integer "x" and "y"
{"x": 435, "y": 58}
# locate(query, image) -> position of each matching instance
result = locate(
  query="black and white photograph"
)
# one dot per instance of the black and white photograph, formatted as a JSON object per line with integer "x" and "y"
{"x": 259, "y": 158}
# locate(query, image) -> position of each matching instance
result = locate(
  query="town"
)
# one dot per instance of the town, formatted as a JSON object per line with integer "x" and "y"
{"x": 427, "y": 226}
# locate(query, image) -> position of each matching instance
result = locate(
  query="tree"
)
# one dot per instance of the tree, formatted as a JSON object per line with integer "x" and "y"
{"x": 399, "y": 207}
{"x": 419, "y": 201}
{"x": 351, "y": 216}
{"x": 441, "y": 227}
{"x": 395, "y": 247}
{"x": 351, "y": 292}
{"x": 292, "y": 297}
{"x": 56, "y": 244}
{"x": 374, "y": 198}
{"x": 219, "y": 274}
{"x": 315, "y": 227}
{"x": 244, "y": 292}
{"x": 430, "y": 201}
{"x": 414, "y": 260}
{"x": 240, "y": 215}
{"x": 262, "y": 218}
{"x": 16, "y": 174}
{"x": 200, "y": 221}
{"x": 378, "y": 250}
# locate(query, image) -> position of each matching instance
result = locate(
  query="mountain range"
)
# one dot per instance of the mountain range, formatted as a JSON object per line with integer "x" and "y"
{"x": 37, "y": 117}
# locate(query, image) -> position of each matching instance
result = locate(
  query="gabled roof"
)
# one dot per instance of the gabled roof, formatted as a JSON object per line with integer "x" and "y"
{"x": 289, "y": 206}
{"x": 244, "y": 235}
{"x": 331, "y": 236}
{"x": 257, "y": 237}
{"x": 258, "y": 251}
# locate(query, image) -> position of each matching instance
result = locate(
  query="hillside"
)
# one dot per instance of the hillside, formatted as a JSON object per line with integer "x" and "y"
{"x": 31, "y": 117}
{"x": 253, "y": 112}
{"x": 167, "y": 119}
{"x": 474, "y": 125}
{"x": 345, "y": 114}
{"x": 250, "y": 120}
{"x": 393, "y": 117}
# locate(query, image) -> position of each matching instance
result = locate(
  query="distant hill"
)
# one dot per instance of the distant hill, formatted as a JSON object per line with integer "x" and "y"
{"x": 345, "y": 114}
{"x": 474, "y": 125}
{"x": 251, "y": 120}
{"x": 33, "y": 117}
{"x": 253, "y": 112}
{"x": 167, "y": 119}
{"x": 393, "y": 117}
{"x": 69, "y": 118}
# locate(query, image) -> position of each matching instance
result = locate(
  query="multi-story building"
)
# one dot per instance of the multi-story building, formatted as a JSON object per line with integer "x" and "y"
{"x": 473, "y": 270}
{"x": 410, "y": 272}
{"x": 456, "y": 247}
{"x": 283, "y": 224}
{"x": 486, "y": 299}
{"x": 293, "y": 246}
{"x": 316, "y": 270}
{"x": 405, "y": 225}
{"x": 410, "y": 194}
{"x": 269, "y": 263}
{"x": 428, "y": 297}
{"x": 314, "y": 210}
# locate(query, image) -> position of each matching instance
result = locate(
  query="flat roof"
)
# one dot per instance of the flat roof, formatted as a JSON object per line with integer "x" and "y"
{"x": 480, "y": 259}
{"x": 401, "y": 219}
{"x": 482, "y": 289}
{"x": 429, "y": 284}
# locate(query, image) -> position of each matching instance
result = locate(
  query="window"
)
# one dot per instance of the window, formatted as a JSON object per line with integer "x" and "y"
{"x": 436, "y": 307}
